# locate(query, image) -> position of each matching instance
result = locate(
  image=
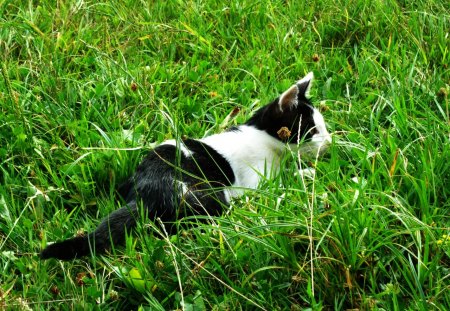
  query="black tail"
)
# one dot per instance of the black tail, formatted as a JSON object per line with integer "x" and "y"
{"x": 110, "y": 231}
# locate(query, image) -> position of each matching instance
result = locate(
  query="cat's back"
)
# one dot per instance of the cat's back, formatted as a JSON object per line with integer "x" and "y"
{"x": 189, "y": 161}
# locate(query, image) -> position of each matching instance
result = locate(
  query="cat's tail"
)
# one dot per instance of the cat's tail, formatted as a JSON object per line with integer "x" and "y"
{"x": 111, "y": 231}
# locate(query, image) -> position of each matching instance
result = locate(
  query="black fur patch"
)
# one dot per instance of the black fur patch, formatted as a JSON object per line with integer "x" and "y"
{"x": 160, "y": 178}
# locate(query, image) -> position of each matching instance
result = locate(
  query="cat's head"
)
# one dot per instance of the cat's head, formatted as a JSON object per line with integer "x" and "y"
{"x": 291, "y": 118}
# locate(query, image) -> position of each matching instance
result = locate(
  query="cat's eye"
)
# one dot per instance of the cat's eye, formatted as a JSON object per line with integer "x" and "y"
{"x": 314, "y": 131}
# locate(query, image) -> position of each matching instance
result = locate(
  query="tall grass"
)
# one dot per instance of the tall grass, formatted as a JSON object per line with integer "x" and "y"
{"x": 86, "y": 88}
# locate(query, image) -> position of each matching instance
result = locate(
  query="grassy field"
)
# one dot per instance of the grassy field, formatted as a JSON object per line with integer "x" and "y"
{"x": 87, "y": 87}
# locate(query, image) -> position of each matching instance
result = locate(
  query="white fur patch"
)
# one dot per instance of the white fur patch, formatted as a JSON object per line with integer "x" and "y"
{"x": 187, "y": 153}
{"x": 252, "y": 153}
{"x": 182, "y": 187}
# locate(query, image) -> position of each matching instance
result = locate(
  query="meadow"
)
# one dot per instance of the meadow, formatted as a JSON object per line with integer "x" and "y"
{"x": 88, "y": 87}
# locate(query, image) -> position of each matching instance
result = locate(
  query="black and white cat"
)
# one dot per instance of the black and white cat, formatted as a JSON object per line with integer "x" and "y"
{"x": 199, "y": 177}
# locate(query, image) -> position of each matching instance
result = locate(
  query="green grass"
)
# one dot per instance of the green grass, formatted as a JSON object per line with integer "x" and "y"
{"x": 87, "y": 87}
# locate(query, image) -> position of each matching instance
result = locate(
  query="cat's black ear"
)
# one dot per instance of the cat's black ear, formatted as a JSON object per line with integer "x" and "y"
{"x": 304, "y": 85}
{"x": 289, "y": 98}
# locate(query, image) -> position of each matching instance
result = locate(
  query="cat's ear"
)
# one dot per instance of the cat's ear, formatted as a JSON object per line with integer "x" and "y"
{"x": 304, "y": 85}
{"x": 289, "y": 98}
